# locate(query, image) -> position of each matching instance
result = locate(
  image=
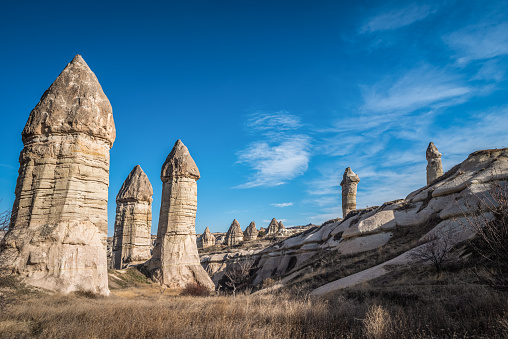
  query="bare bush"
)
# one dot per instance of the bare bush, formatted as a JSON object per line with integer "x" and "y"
{"x": 434, "y": 249}
{"x": 238, "y": 275}
{"x": 490, "y": 223}
{"x": 5, "y": 218}
{"x": 377, "y": 322}
{"x": 195, "y": 289}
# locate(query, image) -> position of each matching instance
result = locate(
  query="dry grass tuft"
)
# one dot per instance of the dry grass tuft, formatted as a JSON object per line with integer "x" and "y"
{"x": 377, "y": 323}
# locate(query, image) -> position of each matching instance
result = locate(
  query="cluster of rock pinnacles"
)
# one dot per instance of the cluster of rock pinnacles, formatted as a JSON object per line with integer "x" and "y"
{"x": 58, "y": 230}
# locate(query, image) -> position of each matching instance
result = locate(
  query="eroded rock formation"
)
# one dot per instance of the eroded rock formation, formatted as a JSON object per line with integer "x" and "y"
{"x": 59, "y": 223}
{"x": 207, "y": 239}
{"x": 434, "y": 166}
{"x": 175, "y": 260}
{"x": 133, "y": 223}
{"x": 273, "y": 227}
{"x": 251, "y": 233}
{"x": 281, "y": 227}
{"x": 235, "y": 235}
{"x": 349, "y": 185}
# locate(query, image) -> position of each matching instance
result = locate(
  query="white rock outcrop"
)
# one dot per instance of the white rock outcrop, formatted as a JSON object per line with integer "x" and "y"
{"x": 59, "y": 224}
{"x": 235, "y": 235}
{"x": 207, "y": 239}
{"x": 250, "y": 233}
{"x": 273, "y": 227}
{"x": 133, "y": 222}
{"x": 175, "y": 262}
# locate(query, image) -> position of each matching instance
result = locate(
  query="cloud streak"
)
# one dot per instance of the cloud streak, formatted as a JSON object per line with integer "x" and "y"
{"x": 397, "y": 18}
{"x": 284, "y": 204}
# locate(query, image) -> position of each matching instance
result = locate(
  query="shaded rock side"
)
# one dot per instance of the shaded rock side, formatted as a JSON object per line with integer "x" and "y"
{"x": 251, "y": 233}
{"x": 59, "y": 223}
{"x": 434, "y": 165}
{"x": 133, "y": 223}
{"x": 175, "y": 261}
{"x": 207, "y": 239}
{"x": 281, "y": 226}
{"x": 273, "y": 227}
{"x": 235, "y": 235}
{"x": 349, "y": 185}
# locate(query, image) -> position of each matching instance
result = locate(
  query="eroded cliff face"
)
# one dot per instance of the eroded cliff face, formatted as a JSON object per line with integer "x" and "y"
{"x": 133, "y": 223}
{"x": 442, "y": 208}
{"x": 175, "y": 261}
{"x": 57, "y": 237}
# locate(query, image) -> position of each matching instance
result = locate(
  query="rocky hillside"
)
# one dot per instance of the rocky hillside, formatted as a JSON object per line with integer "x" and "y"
{"x": 370, "y": 242}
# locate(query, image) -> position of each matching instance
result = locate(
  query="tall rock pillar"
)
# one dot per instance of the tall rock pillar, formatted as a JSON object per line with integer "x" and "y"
{"x": 234, "y": 236}
{"x": 175, "y": 261}
{"x": 59, "y": 223}
{"x": 349, "y": 185}
{"x": 434, "y": 166}
{"x": 133, "y": 223}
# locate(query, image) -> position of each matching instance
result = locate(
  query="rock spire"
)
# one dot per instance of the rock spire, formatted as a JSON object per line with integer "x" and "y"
{"x": 207, "y": 239}
{"x": 175, "y": 261}
{"x": 235, "y": 235}
{"x": 251, "y": 233}
{"x": 434, "y": 166}
{"x": 59, "y": 223}
{"x": 349, "y": 185}
{"x": 133, "y": 223}
{"x": 273, "y": 227}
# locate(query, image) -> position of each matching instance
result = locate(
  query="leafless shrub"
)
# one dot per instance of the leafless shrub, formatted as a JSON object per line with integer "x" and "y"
{"x": 196, "y": 290}
{"x": 490, "y": 223}
{"x": 434, "y": 249}
{"x": 5, "y": 218}
{"x": 238, "y": 275}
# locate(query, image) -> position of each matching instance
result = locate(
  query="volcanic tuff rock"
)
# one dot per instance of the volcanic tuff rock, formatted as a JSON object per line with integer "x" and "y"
{"x": 349, "y": 185}
{"x": 235, "y": 235}
{"x": 207, "y": 239}
{"x": 434, "y": 166}
{"x": 251, "y": 233}
{"x": 175, "y": 261}
{"x": 442, "y": 208}
{"x": 281, "y": 226}
{"x": 273, "y": 227}
{"x": 132, "y": 240}
{"x": 59, "y": 224}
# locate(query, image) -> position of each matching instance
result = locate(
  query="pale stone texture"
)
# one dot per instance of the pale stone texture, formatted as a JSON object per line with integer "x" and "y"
{"x": 207, "y": 239}
{"x": 59, "y": 224}
{"x": 175, "y": 261}
{"x": 349, "y": 185}
{"x": 235, "y": 235}
{"x": 251, "y": 233}
{"x": 434, "y": 166}
{"x": 133, "y": 223}
{"x": 273, "y": 227}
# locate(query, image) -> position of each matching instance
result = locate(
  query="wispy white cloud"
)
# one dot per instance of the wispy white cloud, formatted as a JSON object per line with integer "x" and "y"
{"x": 397, "y": 18}
{"x": 418, "y": 88}
{"x": 491, "y": 70}
{"x": 284, "y": 204}
{"x": 281, "y": 155}
{"x": 477, "y": 42}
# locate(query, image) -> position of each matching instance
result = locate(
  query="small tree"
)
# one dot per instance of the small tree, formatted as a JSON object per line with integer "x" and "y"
{"x": 238, "y": 275}
{"x": 5, "y": 218}
{"x": 490, "y": 223}
{"x": 434, "y": 249}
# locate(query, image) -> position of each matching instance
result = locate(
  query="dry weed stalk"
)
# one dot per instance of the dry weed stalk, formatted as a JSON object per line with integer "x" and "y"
{"x": 377, "y": 322}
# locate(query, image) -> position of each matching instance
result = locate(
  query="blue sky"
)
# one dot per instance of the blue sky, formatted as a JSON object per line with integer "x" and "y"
{"x": 274, "y": 99}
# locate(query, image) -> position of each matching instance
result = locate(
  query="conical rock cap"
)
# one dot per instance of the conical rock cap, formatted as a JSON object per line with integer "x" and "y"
{"x": 349, "y": 177}
{"x": 432, "y": 151}
{"x": 74, "y": 103}
{"x": 179, "y": 163}
{"x": 136, "y": 187}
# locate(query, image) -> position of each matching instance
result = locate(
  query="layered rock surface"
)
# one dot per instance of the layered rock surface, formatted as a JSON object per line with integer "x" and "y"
{"x": 175, "y": 261}
{"x": 442, "y": 208}
{"x": 57, "y": 238}
{"x": 235, "y": 235}
{"x": 250, "y": 233}
{"x": 273, "y": 227}
{"x": 349, "y": 185}
{"x": 133, "y": 223}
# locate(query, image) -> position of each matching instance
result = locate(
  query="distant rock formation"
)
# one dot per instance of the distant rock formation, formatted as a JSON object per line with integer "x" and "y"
{"x": 59, "y": 224}
{"x": 175, "y": 261}
{"x": 207, "y": 239}
{"x": 235, "y": 235}
{"x": 273, "y": 227}
{"x": 349, "y": 185}
{"x": 133, "y": 223}
{"x": 251, "y": 233}
{"x": 281, "y": 226}
{"x": 434, "y": 166}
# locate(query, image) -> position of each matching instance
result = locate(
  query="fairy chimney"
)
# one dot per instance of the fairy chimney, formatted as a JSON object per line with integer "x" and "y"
{"x": 434, "y": 166}
{"x": 349, "y": 185}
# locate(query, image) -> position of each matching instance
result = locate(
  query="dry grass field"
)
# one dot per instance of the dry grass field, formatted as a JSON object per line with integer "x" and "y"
{"x": 403, "y": 305}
